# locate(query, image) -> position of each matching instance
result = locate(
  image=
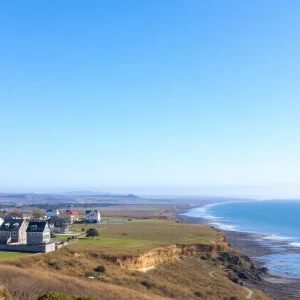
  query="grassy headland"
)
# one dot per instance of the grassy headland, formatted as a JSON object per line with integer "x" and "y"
{"x": 183, "y": 261}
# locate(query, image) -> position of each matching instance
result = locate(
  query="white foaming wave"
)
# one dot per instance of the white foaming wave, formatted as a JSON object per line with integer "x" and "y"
{"x": 224, "y": 226}
{"x": 212, "y": 217}
{"x": 276, "y": 237}
{"x": 294, "y": 244}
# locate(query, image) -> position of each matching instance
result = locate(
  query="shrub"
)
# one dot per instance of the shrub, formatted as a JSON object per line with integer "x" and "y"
{"x": 100, "y": 269}
{"x": 89, "y": 274}
{"x": 129, "y": 219}
{"x": 167, "y": 291}
{"x": 203, "y": 257}
{"x": 92, "y": 232}
{"x": 146, "y": 283}
{"x": 59, "y": 296}
{"x": 82, "y": 229}
{"x": 198, "y": 294}
{"x": 56, "y": 265}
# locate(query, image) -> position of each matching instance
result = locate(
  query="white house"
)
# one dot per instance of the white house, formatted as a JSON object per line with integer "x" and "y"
{"x": 1, "y": 221}
{"x": 50, "y": 213}
{"x": 92, "y": 216}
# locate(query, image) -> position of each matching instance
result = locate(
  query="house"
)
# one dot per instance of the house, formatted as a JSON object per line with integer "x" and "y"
{"x": 13, "y": 231}
{"x": 38, "y": 232}
{"x": 92, "y": 216}
{"x": 70, "y": 215}
{"x": 1, "y": 221}
{"x": 17, "y": 215}
{"x": 50, "y": 213}
{"x": 59, "y": 225}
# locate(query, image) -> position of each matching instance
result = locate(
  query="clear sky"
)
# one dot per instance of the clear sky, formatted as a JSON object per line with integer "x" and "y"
{"x": 149, "y": 96}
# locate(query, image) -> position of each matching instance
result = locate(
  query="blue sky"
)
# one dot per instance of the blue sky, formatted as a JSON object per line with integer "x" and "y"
{"x": 149, "y": 96}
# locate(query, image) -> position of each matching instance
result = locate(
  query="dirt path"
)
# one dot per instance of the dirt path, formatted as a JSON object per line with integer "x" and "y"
{"x": 250, "y": 293}
{"x": 211, "y": 274}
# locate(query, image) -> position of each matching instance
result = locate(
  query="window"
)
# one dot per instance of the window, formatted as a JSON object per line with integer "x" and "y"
{"x": 7, "y": 233}
{"x": 14, "y": 233}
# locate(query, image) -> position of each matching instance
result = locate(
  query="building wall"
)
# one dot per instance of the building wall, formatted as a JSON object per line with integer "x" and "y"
{"x": 29, "y": 248}
{"x": 22, "y": 236}
{"x": 38, "y": 237}
{"x": 17, "y": 236}
{"x": 93, "y": 217}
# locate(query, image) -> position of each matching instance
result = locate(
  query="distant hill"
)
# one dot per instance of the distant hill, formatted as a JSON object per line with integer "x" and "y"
{"x": 102, "y": 194}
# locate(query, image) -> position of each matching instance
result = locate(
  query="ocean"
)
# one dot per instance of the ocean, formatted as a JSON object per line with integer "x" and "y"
{"x": 274, "y": 224}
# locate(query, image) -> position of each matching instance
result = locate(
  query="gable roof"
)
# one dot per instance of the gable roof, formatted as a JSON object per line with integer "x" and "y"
{"x": 62, "y": 222}
{"x": 88, "y": 211}
{"x": 36, "y": 226}
{"x": 11, "y": 224}
{"x": 72, "y": 212}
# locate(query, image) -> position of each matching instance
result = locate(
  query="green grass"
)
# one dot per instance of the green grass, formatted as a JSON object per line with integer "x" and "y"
{"x": 113, "y": 242}
{"x": 8, "y": 255}
{"x": 143, "y": 234}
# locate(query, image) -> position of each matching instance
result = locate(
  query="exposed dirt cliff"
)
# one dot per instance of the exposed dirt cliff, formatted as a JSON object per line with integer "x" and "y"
{"x": 168, "y": 253}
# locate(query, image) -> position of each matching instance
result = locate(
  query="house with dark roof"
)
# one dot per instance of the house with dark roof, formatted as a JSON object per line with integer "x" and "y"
{"x": 38, "y": 232}
{"x": 13, "y": 231}
{"x": 59, "y": 225}
{"x": 50, "y": 213}
{"x": 16, "y": 215}
{"x": 92, "y": 216}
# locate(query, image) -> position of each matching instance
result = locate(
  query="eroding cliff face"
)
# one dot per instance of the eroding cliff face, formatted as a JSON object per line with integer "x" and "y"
{"x": 165, "y": 254}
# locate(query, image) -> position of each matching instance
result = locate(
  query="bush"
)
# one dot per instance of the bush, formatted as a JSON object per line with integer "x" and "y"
{"x": 59, "y": 296}
{"x": 146, "y": 283}
{"x": 92, "y": 232}
{"x": 203, "y": 257}
{"x": 89, "y": 274}
{"x": 82, "y": 229}
{"x": 198, "y": 294}
{"x": 100, "y": 269}
{"x": 129, "y": 219}
{"x": 56, "y": 265}
{"x": 166, "y": 291}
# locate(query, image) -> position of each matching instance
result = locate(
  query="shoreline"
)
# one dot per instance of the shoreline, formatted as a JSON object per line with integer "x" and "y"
{"x": 279, "y": 287}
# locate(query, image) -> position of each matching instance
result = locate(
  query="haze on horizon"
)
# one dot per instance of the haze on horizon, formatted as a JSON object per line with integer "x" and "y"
{"x": 157, "y": 97}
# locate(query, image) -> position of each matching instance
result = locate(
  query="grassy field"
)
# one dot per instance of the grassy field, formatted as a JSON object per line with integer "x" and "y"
{"x": 8, "y": 255}
{"x": 139, "y": 235}
{"x": 67, "y": 270}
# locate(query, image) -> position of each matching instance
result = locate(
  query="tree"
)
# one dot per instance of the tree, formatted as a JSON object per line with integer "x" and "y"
{"x": 92, "y": 232}
{"x": 37, "y": 214}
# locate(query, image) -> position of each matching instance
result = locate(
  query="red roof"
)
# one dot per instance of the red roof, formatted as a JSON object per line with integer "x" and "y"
{"x": 73, "y": 212}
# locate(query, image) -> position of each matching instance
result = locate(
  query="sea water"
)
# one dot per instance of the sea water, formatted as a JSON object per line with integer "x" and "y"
{"x": 273, "y": 223}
